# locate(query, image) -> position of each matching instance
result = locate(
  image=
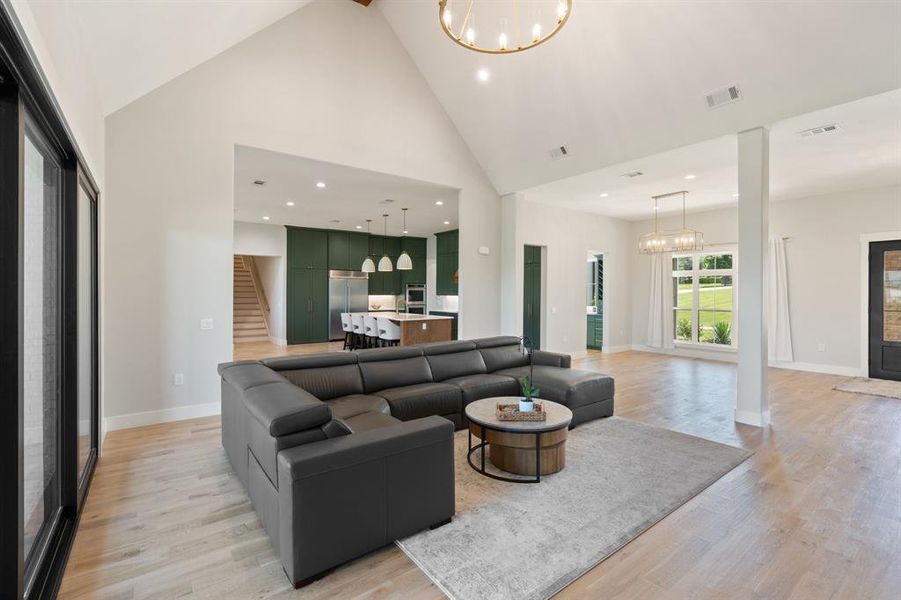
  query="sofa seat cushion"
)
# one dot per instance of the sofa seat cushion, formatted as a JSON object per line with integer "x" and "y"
{"x": 570, "y": 387}
{"x": 476, "y": 387}
{"x": 423, "y": 400}
{"x": 369, "y": 420}
{"x": 357, "y": 404}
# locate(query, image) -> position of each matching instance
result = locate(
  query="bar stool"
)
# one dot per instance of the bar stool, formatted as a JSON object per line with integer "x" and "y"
{"x": 389, "y": 332}
{"x": 359, "y": 330}
{"x": 347, "y": 327}
{"x": 372, "y": 331}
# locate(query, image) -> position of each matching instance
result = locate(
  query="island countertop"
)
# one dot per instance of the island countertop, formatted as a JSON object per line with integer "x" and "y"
{"x": 402, "y": 316}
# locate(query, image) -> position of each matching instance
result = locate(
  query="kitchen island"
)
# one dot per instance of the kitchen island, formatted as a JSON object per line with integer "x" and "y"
{"x": 418, "y": 329}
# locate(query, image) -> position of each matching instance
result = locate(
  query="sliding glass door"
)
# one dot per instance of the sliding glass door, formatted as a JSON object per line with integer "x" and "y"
{"x": 48, "y": 328}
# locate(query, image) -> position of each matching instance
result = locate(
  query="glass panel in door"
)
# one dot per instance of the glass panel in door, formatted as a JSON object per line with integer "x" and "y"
{"x": 86, "y": 327}
{"x": 891, "y": 305}
{"x": 40, "y": 337}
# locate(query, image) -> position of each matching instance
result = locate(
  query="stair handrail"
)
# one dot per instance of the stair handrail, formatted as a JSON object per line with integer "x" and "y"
{"x": 257, "y": 282}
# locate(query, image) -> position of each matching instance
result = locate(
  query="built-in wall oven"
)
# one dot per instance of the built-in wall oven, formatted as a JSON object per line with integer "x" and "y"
{"x": 415, "y": 298}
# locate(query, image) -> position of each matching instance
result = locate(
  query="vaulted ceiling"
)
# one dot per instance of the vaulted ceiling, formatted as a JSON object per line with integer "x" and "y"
{"x": 136, "y": 46}
{"x": 624, "y": 80}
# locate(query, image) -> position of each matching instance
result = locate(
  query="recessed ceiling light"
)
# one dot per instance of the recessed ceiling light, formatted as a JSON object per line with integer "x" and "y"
{"x": 320, "y": 184}
{"x": 604, "y": 195}
{"x": 265, "y": 218}
{"x": 447, "y": 222}
{"x": 289, "y": 204}
{"x": 359, "y": 227}
{"x": 406, "y": 232}
{"x": 439, "y": 202}
{"x": 483, "y": 75}
{"x": 690, "y": 176}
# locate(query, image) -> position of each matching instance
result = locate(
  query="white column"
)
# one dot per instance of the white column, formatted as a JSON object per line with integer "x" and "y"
{"x": 752, "y": 406}
{"x": 511, "y": 266}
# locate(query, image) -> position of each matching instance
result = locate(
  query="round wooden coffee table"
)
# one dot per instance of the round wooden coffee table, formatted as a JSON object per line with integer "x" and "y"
{"x": 531, "y": 448}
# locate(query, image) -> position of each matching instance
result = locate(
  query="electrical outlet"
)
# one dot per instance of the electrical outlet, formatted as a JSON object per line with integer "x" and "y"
{"x": 179, "y": 379}
{"x": 424, "y": 327}
{"x": 206, "y": 324}
{"x": 821, "y": 347}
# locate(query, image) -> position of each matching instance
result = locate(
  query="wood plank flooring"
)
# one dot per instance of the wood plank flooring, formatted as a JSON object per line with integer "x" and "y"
{"x": 815, "y": 513}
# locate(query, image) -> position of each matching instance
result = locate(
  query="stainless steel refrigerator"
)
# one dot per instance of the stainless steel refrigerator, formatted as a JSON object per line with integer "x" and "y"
{"x": 348, "y": 291}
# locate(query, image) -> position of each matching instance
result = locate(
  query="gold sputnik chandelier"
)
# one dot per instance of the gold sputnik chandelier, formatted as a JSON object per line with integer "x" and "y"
{"x": 500, "y": 27}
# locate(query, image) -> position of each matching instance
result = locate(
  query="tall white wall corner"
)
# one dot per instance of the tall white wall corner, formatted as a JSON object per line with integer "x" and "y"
{"x": 752, "y": 406}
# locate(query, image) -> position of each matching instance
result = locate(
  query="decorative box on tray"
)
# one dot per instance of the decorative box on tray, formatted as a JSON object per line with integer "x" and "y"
{"x": 511, "y": 412}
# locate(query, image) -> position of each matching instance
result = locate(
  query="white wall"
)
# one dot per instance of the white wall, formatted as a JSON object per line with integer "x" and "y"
{"x": 824, "y": 272}
{"x": 329, "y": 82}
{"x": 268, "y": 244}
{"x": 567, "y": 236}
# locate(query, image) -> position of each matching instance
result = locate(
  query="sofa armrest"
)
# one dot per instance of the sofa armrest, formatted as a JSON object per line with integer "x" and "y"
{"x": 344, "y": 497}
{"x": 551, "y": 359}
{"x": 282, "y": 408}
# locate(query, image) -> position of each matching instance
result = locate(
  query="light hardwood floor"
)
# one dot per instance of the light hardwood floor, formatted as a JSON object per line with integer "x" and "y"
{"x": 815, "y": 513}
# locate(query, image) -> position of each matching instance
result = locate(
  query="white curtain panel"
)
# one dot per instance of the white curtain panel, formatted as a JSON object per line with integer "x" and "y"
{"x": 660, "y": 304}
{"x": 778, "y": 319}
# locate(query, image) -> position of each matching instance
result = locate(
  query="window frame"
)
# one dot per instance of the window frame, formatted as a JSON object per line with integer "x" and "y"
{"x": 695, "y": 273}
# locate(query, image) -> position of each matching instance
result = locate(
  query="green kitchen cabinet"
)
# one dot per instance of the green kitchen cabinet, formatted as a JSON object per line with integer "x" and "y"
{"x": 307, "y": 248}
{"x": 531, "y": 290}
{"x": 358, "y": 248}
{"x": 307, "y": 308}
{"x": 595, "y": 332}
{"x": 338, "y": 250}
{"x": 415, "y": 247}
{"x": 447, "y": 263}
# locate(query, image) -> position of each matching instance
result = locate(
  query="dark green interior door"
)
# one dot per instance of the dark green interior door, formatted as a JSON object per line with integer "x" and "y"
{"x": 531, "y": 290}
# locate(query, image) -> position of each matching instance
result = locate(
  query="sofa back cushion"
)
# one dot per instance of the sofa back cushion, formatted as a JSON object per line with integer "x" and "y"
{"x": 326, "y": 376}
{"x": 384, "y": 368}
{"x": 453, "y": 359}
{"x": 502, "y": 352}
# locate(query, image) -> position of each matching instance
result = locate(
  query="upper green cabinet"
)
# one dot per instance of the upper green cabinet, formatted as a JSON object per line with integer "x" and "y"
{"x": 307, "y": 248}
{"x": 346, "y": 250}
{"x": 416, "y": 248}
{"x": 447, "y": 263}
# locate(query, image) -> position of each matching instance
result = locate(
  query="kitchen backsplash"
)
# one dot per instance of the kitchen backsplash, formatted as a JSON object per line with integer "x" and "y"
{"x": 382, "y": 302}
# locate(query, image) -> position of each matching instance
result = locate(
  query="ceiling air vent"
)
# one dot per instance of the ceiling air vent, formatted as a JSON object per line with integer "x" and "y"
{"x": 722, "y": 97}
{"x": 558, "y": 153}
{"x": 632, "y": 174}
{"x": 386, "y": 201}
{"x": 259, "y": 182}
{"x": 831, "y": 128}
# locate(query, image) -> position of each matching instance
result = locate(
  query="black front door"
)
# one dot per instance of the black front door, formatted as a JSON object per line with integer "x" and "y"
{"x": 885, "y": 310}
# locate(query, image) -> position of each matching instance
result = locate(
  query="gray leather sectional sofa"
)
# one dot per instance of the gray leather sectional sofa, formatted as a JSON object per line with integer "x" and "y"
{"x": 342, "y": 453}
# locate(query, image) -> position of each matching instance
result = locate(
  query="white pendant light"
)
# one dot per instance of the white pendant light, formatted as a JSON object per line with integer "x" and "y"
{"x": 385, "y": 262}
{"x": 368, "y": 263}
{"x": 404, "y": 263}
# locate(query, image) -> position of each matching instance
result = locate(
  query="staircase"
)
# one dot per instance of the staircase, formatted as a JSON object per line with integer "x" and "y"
{"x": 249, "y": 321}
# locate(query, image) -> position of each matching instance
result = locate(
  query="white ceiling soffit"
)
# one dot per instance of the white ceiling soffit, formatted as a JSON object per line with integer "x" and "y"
{"x": 864, "y": 152}
{"x": 624, "y": 80}
{"x": 136, "y": 46}
{"x": 350, "y": 196}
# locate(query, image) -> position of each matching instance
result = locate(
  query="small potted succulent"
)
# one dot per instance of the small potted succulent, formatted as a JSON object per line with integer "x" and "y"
{"x": 529, "y": 393}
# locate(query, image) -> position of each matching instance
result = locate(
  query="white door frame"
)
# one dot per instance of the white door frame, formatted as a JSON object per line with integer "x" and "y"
{"x": 865, "y": 239}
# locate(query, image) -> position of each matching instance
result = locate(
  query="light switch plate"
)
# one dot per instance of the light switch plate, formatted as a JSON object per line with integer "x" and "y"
{"x": 206, "y": 324}
{"x": 178, "y": 379}
{"x": 484, "y": 250}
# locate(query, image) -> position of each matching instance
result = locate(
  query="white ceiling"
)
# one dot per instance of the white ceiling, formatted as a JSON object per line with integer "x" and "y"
{"x": 135, "y": 46}
{"x": 623, "y": 80}
{"x": 351, "y": 195}
{"x": 864, "y": 152}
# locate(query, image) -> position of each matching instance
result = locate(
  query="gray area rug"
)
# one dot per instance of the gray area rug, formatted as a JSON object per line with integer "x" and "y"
{"x": 872, "y": 387}
{"x": 528, "y": 541}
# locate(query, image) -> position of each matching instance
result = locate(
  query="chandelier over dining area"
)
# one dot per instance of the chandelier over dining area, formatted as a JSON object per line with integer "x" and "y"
{"x": 673, "y": 240}
{"x": 502, "y": 26}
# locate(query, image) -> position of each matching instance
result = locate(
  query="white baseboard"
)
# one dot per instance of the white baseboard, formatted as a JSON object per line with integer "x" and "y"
{"x": 278, "y": 341}
{"x": 152, "y": 417}
{"x": 748, "y": 417}
{"x": 732, "y": 358}
{"x": 579, "y": 354}
{"x": 615, "y": 349}
{"x": 818, "y": 368}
